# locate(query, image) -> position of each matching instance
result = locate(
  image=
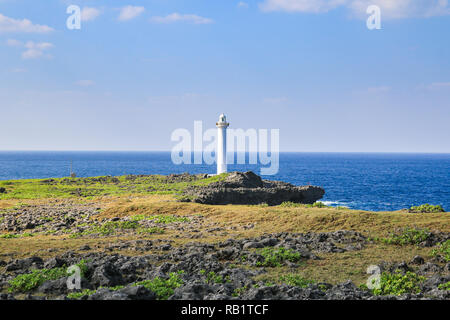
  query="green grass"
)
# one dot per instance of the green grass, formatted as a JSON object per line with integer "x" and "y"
{"x": 275, "y": 257}
{"x": 443, "y": 250}
{"x": 398, "y": 284}
{"x": 114, "y": 227}
{"x": 151, "y": 230}
{"x": 81, "y": 294}
{"x": 426, "y": 208}
{"x": 239, "y": 291}
{"x": 30, "y": 281}
{"x": 444, "y": 286}
{"x": 163, "y": 288}
{"x": 212, "y": 277}
{"x": 406, "y": 236}
{"x": 296, "y": 280}
{"x": 9, "y": 236}
{"x": 163, "y": 219}
{"x": 290, "y": 204}
{"x": 97, "y": 186}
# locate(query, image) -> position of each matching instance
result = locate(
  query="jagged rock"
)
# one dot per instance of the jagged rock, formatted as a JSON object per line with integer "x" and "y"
{"x": 418, "y": 260}
{"x": 137, "y": 293}
{"x": 346, "y": 291}
{"x": 429, "y": 267}
{"x": 24, "y": 264}
{"x": 193, "y": 291}
{"x": 107, "y": 276}
{"x": 58, "y": 286}
{"x": 106, "y": 294}
{"x": 54, "y": 263}
{"x": 249, "y": 188}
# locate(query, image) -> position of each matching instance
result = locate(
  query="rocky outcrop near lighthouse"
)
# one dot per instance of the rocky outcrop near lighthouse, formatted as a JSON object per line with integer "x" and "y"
{"x": 249, "y": 188}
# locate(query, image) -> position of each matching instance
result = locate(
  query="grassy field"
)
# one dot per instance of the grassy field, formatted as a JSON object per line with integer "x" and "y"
{"x": 97, "y": 186}
{"x": 154, "y": 196}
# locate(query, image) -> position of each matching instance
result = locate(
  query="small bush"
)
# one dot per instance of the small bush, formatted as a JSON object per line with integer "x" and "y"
{"x": 212, "y": 277}
{"x": 239, "y": 291}
{"x": 317, "y": 205}
{"x": 398, "y": 284}
{"x": 296, "y": 280}
{"x": 163, "y": 288}
{"x": 444, "y": 286}
{"x": 426, "y": 208}
{"x": 407, "y": 236}
{"x": 290, "y": 204}
{"x": 83, "y": 267}
{"x": 30, "y": 281}
{"x": 164, "y": 219}
{"x": 81, "y": 294}
{"x": 443, "y": 250}
{"x": 8, "y": 236}
{"x": 150, "y": 230}
{"x": 274, "y": 257}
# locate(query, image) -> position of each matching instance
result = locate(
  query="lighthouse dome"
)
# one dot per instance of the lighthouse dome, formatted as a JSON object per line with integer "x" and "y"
{"x": 222, "y": 118}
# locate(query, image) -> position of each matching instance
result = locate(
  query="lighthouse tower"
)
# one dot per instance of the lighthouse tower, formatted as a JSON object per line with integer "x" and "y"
{"x": 221, "y": 153}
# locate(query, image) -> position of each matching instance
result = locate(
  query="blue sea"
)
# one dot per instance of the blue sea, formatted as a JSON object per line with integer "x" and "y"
{"x": 367, "y": 181}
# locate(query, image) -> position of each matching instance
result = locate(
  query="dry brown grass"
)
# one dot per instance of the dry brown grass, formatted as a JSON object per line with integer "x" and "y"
{"x": 281, "y": 219}
{"x": 352, "y": 265}
{"x": 332, "y": 268}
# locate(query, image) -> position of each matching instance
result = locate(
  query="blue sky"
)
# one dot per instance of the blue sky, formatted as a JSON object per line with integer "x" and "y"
{"x": 137, "y": 70}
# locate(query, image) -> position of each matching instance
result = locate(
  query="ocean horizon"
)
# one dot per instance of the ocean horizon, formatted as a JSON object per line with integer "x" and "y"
{"x": 373, "y": 181}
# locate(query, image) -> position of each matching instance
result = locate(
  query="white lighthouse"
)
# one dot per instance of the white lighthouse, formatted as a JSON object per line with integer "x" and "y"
{"x": 221, "y": 153}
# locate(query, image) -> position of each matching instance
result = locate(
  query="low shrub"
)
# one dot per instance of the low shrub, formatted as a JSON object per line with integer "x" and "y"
{"x": 163, "y": 288}
{"x": 444, "y": 286}
{"x": 290, "y": 204}
{"x": 296, "y": 280}
{"x": 443, "y": 250}
{"x": 164, "y": 219}
{"x": 81, "y": 294}
{"x": 29, "y": 281}
{"x": 398, "y": 283}
{"x": 317, "y": 205}
{"x": 274, "y": 257}
{"x": 407, "y": 236}
{"x": 426, "y": 208}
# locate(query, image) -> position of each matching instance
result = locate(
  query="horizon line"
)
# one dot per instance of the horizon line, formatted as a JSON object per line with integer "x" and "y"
{"x": 193, "y": 151}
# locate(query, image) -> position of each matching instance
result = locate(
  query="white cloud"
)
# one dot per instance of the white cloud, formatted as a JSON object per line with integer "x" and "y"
{"x": 130, "y": 12}
{"x": 16, "y": 25}
{"x": 390, "y": 9}
{"x": 310, "y": 6}
{"x": 89, "y": 14}
{"x": 33, "y": 50}
{"x": 176, "y": 17}
{"x": 242, "y": 4}
{"x": 85, "y": 83}
{"x": 36, "y": 50}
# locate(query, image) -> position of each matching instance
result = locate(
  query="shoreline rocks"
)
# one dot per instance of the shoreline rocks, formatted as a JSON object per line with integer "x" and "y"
{"x": 249, "y": 188}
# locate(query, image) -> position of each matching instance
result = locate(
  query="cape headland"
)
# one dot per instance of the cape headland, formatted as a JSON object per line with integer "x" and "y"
{"x": 228, "y": 236}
